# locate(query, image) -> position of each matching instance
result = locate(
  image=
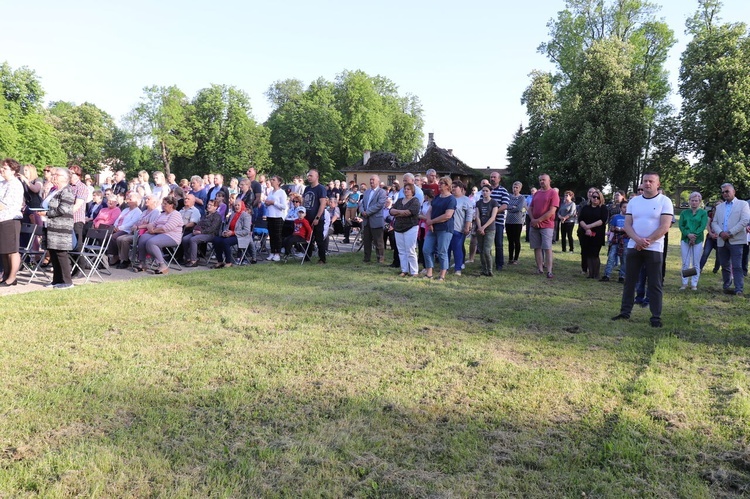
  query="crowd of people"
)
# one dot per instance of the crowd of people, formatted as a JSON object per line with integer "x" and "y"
{"x": 426, "y": 221}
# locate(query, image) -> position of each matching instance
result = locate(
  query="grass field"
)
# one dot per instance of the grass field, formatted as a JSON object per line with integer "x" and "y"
{"x": 345, "y": 380}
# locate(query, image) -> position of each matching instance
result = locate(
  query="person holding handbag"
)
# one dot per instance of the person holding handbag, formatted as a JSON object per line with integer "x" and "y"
{"x": 692, "y": 228}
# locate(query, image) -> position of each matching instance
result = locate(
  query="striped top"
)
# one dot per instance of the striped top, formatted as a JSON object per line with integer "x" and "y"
{"x": 500, "y": 194}
{"x": 81, "y": 192}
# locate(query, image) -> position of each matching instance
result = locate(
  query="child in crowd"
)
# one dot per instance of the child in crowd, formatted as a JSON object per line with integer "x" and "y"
{"x": 302, "y": 231}
{"x": 618, "y": 241}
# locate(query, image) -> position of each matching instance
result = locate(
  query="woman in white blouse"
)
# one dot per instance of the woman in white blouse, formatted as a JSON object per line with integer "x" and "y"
{"x": 276, "y": 205}
{"x": 11, "y": 203}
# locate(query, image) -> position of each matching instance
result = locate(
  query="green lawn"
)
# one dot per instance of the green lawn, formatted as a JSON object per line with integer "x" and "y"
{"x": 345, "y": 380}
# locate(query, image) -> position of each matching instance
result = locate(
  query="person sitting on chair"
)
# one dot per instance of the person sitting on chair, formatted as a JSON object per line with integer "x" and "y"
{"x": 302, "y": 231}
{"x": 108, "y": 215}
{"x": 204, "y": 231}
{"x": 238, "y": 231}
{"x": 165, "y": 231}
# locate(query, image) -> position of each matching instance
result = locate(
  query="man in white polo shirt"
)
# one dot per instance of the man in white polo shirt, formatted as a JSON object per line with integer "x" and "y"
{"x": 647, "y": 219}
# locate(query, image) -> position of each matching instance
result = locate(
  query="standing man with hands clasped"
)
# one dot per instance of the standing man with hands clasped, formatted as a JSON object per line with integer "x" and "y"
{"x": 371, "y": 211}
{"x": 730, "y": 221}
{"x": 544, "y": 205}
{"x": 647, "y": 219}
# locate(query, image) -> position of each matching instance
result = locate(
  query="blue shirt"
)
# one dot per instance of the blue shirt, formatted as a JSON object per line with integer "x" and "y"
{"x": 439, "y": 206}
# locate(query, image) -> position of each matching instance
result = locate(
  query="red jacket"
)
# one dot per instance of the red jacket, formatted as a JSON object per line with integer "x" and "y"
{"x": 302, "y": 228}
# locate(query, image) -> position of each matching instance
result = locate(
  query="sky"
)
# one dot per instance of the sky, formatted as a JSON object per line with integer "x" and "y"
{"x": 467, "y": 61}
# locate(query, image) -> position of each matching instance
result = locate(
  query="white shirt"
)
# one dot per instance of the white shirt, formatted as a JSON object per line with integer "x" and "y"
{"x": 646, "y": 215}
{"x": 279, "y": 206}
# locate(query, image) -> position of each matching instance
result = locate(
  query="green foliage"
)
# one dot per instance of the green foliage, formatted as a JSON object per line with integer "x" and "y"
{"x": 329, "y": 125}
{"x": 304, "y": 135}
{"x": 227, "y": 137}
{"x": 715, "y": 88}
{"x": 123, "y": 153}
{"x": 25, "y": 133}
{"x": 283, "y": 91}
{"x": 21, "y": 89}
{"x": 38, "y": 143}
{"x": 163, "y": 118}
{"x": 590, "y": 123}
{"x": 84, "y": 132}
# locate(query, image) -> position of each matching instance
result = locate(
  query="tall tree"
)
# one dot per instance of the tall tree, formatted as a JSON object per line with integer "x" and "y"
{"x": 715, "y": 88}
{"x": 283, "y": 91}
{"x": 329, "y": 124}
{"x": 25, "y": 133}
{"x": 608, "y": 91}
{"x": 364, "y": 122}
{"x": 227, "y": 137}
{"x": 83, "y": 131}
{"x": 163, "y": 118}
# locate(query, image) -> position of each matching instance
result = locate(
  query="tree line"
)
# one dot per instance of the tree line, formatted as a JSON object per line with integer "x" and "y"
{"x": 325, "y": 126}
{"x": 603, "y": 116}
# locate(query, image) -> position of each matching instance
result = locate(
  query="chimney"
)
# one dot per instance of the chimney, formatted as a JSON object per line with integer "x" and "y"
{"x": 366, "y": 157}
{"x": 430, "y": 139}
{"x": 450, "y": 152}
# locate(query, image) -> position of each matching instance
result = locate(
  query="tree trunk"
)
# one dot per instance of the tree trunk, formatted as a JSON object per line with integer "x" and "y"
{"x": 165, "y": 158}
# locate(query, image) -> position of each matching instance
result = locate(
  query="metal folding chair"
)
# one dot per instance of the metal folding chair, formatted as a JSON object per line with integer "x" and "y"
{"x": 92, "y": 253}
{"x": 31, "y": 259}
{"x": 260, "y": 238}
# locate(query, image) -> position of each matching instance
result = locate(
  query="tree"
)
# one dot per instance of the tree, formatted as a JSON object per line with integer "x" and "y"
{"x": 283, "y": 91}
{"x": 25, "y": 133}
{"x": 21, "y": 89}
{"x": 38, "y": 142}
{"x": 364, "y": 123}
{"x": 227, "y": 137}
{"x": 715, "y": 88}
{"x": 608, "y": 91}
{"x": 163, "y": 118}
{"x": 83, "y": 132}
{"x": 304, "y": 135}
{"x": 524, "y": 151}
{"x": 330, "y": 124}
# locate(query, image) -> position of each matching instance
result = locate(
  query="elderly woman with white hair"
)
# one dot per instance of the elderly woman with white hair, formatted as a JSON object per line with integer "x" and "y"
{"x": 692, "y": 225}
{"x": 60, "y": 229}
{"x": 109, "y": 214}
{"x": 514, "y": 220}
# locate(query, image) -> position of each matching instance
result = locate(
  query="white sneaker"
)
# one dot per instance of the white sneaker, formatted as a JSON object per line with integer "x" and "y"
{"x": 683, "y": 288}
{"x": 694, "y": 288}
{"x": 270, "y": 258}
{"x": 64, "y": 286}
{"x": 276, "y": 257}
{"x": 458, "y": 273}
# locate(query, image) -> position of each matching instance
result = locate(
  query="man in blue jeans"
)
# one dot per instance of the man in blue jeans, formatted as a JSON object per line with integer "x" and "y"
{"x": 499, "y": 194}
{"x": 647, "y": 219}
{"x": 730, "y": 222}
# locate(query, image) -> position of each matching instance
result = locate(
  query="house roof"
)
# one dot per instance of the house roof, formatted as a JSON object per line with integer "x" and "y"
{"x": 441, "y": 160}
{"x": 378, "y": 162}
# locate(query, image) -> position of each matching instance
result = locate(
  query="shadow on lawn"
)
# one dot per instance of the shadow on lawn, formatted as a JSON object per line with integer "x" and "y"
{"x": 242, "y": 440}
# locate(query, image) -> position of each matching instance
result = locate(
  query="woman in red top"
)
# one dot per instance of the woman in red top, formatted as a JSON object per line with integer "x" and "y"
{"x": 239, "y": 227}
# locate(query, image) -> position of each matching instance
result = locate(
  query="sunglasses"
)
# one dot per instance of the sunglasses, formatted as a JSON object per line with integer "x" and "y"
{"x": 594, "y": 197}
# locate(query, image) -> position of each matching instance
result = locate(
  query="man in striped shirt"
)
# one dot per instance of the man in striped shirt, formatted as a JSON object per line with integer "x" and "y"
{"x": 499, "y": 194}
